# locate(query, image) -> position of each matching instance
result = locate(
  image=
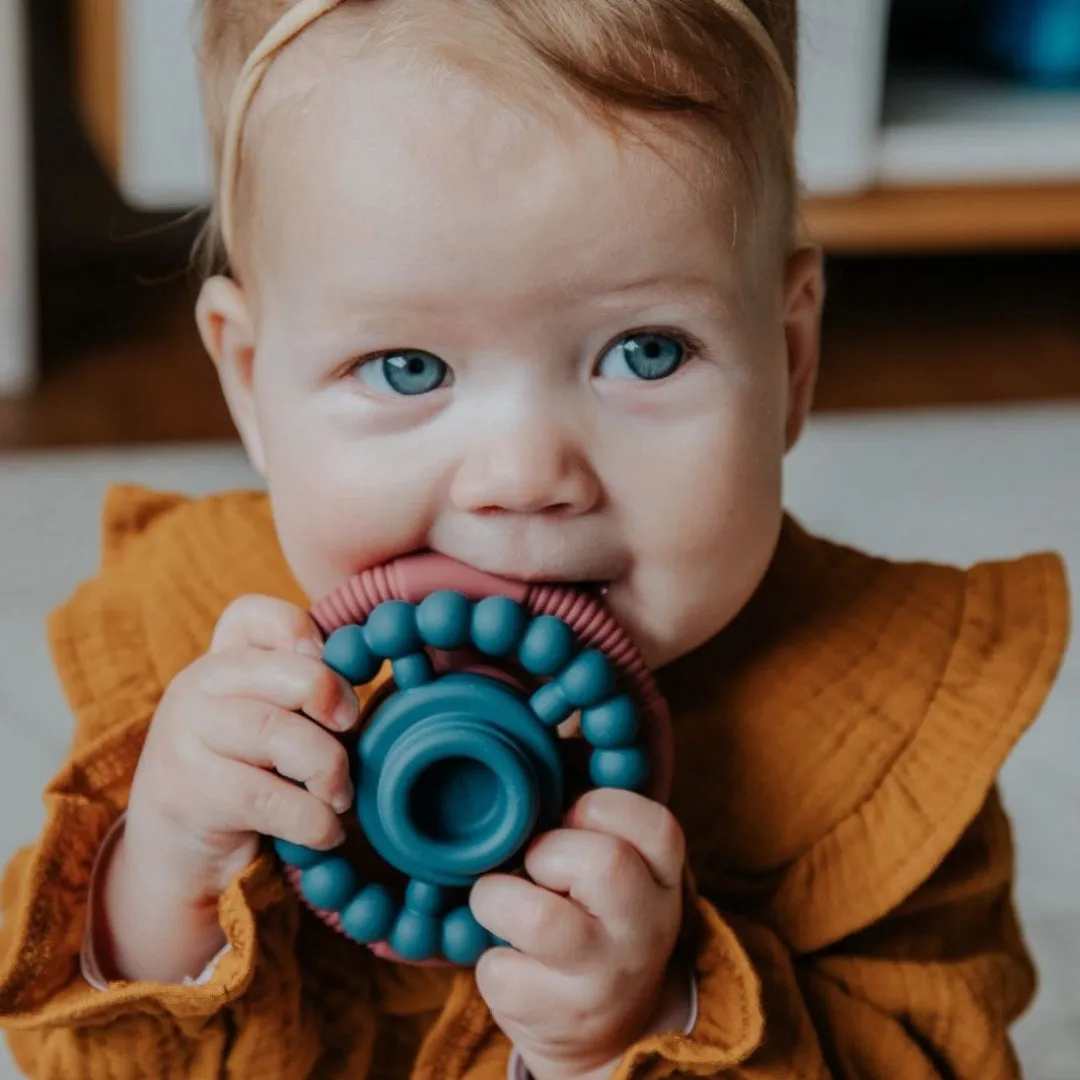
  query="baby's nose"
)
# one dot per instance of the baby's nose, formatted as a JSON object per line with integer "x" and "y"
{"x": 527, "y": 471}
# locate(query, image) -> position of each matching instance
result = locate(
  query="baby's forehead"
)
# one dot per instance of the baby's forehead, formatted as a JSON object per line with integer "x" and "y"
{"x": 450, "y": 46}
{"x": 464, "y": 71}
{"x": 360, "y": 114}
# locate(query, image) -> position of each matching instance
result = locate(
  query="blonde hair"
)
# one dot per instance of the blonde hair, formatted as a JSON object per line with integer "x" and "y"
{"x": 726, "y": 65}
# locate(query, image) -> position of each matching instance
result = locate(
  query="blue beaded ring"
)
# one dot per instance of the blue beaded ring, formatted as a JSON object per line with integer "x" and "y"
{"x": 456, "y": 773}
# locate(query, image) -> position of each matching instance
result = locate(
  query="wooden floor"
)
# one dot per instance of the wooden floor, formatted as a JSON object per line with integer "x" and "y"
{"x": 899, "y": 333}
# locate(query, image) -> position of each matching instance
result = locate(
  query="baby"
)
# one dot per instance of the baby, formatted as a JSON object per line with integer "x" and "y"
{"x": 519, "y": 282}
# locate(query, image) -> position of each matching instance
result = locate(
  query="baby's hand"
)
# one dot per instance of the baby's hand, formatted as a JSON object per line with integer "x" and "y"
{"x": 593, "y": 938}
{"x": 205, "y": 787}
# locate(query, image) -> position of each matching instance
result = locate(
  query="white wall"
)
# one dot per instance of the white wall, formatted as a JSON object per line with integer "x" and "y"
{"x": 164, "y": 157}
{"x": 17, "y": 361}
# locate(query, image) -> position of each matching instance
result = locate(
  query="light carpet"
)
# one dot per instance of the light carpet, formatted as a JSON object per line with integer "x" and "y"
{"x": 954, "y": 486}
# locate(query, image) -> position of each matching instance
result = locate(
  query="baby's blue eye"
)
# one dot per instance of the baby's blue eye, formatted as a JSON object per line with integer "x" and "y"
{"x": 408, "y": 373}
{"x": 643, "y": 356}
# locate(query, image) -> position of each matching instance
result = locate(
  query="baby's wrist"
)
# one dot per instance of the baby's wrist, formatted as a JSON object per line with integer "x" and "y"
{"x": 151, "y": 923}
{"x": 170, "y": 861}
{"x": 675, "y": 1011}
{"x": 677, "y": 1007}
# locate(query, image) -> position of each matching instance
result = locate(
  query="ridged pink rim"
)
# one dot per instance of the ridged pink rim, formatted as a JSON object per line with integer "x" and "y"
{"x": 414, "y": 577}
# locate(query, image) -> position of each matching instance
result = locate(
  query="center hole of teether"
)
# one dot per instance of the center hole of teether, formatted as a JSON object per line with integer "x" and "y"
{"x": 456, "y": 799}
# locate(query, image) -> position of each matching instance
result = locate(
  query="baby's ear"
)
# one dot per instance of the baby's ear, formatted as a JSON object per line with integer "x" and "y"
{"x": 228, "y": 333}
{"x": 804, "y": 297}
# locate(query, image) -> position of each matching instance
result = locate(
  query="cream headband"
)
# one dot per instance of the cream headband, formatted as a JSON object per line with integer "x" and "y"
{"x": 305, "y": 12}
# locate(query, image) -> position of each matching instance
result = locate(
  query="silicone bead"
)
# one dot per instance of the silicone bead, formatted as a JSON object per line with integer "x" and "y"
{"x": 346, "y": 652}
{"x": 443, "y": 620}
{"x": 626, "y": 769}
{"x": 412, "y": 671}
{"x": 331, "y": 884}
{"x": 416, "y": 936}
{"x": 497, "y": 625}
{"x": 612, "y": 725}
{"x": 464, "y": 940}
{"x": 588, "y": 680}
{"x": 548, "y": 646}
{"x": 550, "y": 705}
{"x": 369, "y": 916}
{"x": 303, "y": 858}
{"x": 426, "y": 898}
{"x": 391, "y": 630}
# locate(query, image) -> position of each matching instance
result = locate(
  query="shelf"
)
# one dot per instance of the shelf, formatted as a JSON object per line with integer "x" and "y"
{"x": 946, "y": 219}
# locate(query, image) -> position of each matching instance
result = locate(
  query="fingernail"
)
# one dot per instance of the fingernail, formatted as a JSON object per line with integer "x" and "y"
{"x": 348, "y": 709}
{"x": 308, "y": 647}
{"x": 343, "y": 803}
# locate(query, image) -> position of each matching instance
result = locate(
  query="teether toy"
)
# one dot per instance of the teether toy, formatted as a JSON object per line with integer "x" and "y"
{"x": 459, "y": 765}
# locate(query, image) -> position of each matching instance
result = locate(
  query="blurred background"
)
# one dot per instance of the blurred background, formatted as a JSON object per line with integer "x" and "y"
{"x": 939, "y": 146}
{"x": 940, "y": 150}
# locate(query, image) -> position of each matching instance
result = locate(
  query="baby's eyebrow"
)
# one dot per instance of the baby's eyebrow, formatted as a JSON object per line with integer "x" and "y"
{"x": 386, "y": 308}
{"x": 659, "y": 287}
{"x": 665, "y": 282}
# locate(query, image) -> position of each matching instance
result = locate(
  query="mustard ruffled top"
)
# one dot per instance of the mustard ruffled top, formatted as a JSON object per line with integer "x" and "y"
{"x": 850, "y": 910}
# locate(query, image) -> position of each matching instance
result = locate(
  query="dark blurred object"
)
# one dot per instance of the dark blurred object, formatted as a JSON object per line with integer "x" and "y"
{"x": 100, "y": 261}
{"x": 937, "y": 33}
{"x": 952, "y": 331}
{"x": 1039, "y": 40}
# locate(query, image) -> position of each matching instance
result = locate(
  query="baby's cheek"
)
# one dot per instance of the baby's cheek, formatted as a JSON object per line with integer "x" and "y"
{"x": 343, "y": 516}
{"x": 706, "y": 539}
{"x": 716, "y": 493}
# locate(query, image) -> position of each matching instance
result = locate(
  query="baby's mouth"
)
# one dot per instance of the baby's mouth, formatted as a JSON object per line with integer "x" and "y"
{"x": 589, "y": 582}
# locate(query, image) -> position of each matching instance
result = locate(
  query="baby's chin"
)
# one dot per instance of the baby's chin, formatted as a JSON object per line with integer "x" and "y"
{"x": 662, "y": 637}
{"x": 670, "y": 613}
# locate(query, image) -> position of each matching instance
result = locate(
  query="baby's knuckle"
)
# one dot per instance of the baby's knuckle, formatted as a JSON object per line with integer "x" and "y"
{"x": 186, "y": 756}
{"x": 236, "y": 613}
{"x": 265, "y": 804}
{"x": 670, "y": 837}
{"x": 293, "y": 619}
{"x": 210, "y": 675}
{"x": 336, "y": 767}
{"x": 292, "y": 623}
{"x": 263, "y": 721}
{"x": 542, "y": 922}
{"x": 615, "y": 863}
{"x": 232, "y": 611}
{"x": 187, "y": 682}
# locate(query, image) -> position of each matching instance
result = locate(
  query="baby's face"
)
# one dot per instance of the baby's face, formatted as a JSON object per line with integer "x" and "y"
{"x": 514, "y": 340}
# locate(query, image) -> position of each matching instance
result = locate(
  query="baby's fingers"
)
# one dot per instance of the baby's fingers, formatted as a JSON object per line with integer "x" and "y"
{"x": 546, "y": 926}
{"x": 272, "y": 738}
{"x": 265, "y": 622}
{"x": 251, "y": 800}
{"x": 520, "y": 990}
{"x": 603, "y": 874}
{"x": 287, "y": 680}
{"x": 649, "y": 828}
